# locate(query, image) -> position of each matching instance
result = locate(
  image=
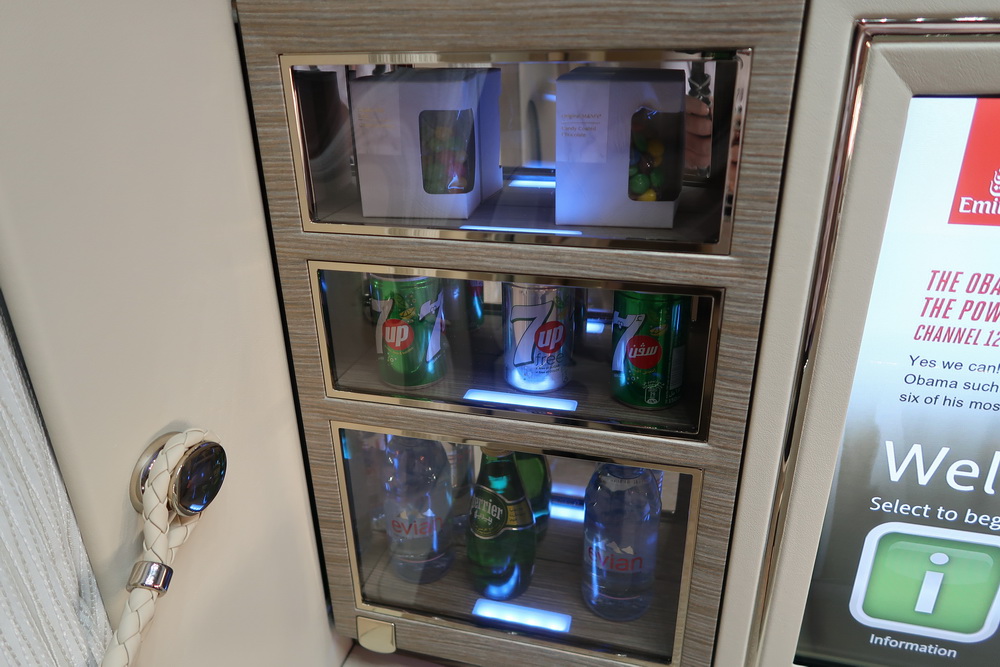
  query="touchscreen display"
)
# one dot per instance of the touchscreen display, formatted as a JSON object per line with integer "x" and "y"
{"x": 908, "y": 569}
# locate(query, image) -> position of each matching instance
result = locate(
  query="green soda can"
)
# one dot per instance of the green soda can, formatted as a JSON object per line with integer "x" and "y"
{"x": 475, "y": 304}
{"x": 409, "y": 330}
{"x": 649, "y": 333}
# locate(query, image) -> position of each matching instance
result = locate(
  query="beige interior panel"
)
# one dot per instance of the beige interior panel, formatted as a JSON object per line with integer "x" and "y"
{"x": 134, "y": 258}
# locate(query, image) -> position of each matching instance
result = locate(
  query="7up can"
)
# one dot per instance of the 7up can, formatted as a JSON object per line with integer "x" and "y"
{"x": 649, "y": 334}
{"x": 538, "y": 335}
{"x": 409, "y": 331}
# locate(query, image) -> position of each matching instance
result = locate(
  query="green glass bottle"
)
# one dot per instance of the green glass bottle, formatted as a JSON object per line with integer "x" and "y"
{"x": 501, "y": 538}
{"x": 534, "y": 470}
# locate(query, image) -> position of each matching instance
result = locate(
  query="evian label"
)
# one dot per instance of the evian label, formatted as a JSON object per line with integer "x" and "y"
{"x": 977, "y": 195}
{"x": 407, "y": 526}
{"x": 607, "y": 555}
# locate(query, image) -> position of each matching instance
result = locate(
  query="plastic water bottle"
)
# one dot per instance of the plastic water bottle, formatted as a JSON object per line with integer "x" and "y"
{"x": 621, "y": 521}
{"x": 463, "y": 478}
{"x": 418, "y": 508}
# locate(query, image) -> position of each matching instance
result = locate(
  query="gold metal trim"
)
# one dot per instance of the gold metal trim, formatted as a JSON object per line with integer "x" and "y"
{"x": 700, "y": 434}
{"x": 361, "y": 606}
{"x": 742, "y": 56}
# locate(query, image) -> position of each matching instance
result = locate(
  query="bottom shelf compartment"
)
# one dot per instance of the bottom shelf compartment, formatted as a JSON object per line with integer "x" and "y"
{"x": 553, "y": 606}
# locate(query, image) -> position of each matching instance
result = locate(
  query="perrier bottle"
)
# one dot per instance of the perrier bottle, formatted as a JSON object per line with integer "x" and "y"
{"x": 534, "y": 470}
{"x": 501, "y": 537}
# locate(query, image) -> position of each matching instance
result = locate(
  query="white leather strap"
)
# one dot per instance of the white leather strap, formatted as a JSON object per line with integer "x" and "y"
{"x": 163, "y": 532}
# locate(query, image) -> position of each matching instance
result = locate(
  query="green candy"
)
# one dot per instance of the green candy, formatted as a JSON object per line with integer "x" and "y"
{"x": 656, "y": 178}
{"x": 638, "y": 184}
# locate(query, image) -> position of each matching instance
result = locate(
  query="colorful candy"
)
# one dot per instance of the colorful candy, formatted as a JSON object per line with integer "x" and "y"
{"x": 447, "y": 151}
{"x": 649, "y": 179}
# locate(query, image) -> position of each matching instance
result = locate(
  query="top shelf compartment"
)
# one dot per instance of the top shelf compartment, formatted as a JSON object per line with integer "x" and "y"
{"x": 624, "y": 149}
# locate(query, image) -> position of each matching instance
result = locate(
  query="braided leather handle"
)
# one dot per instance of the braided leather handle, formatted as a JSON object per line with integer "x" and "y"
{"x": 164, "y": 531}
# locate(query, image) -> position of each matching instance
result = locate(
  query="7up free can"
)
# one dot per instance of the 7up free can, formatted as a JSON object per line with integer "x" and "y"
{"x": 409, "y": 329}
{"x": 538, "y": 335}
{"x": 649, "y": 333}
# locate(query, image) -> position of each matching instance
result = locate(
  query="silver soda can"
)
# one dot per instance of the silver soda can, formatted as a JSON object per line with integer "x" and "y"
{"x": 538, "y": 330}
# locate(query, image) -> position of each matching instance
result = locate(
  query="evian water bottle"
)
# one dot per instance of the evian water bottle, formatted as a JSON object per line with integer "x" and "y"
{"x": 418, "y": 508}
{"x": 621, "y": 520}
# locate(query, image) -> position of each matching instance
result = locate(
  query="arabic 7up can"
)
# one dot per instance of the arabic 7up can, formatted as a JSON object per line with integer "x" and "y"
{"x": 409, "y": 331}
{"x": 538, "y": 335}
{"x": 649, "y": 333}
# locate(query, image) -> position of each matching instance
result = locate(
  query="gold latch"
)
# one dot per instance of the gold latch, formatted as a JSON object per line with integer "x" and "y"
{"x": 377, "y": 636}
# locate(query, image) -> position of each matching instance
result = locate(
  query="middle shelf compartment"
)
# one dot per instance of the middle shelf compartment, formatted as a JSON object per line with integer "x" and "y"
{"x": 626, "y": 356}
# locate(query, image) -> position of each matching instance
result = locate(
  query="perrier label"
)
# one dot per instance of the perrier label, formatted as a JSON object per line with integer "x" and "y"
{"x": 491, "y": 514}
{"x": 501, "y": 538}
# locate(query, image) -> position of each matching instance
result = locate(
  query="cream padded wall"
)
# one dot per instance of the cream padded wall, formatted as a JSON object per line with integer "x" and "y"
{"x": 134, "y": 259}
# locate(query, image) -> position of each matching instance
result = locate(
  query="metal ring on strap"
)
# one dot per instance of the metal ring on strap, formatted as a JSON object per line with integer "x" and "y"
{"x": 150, "y": 574}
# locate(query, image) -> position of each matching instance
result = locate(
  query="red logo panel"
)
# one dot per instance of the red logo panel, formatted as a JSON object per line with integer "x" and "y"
{"x": 977, "y": 195}
{"x": 643, "y": 352}
{"x": 550, "y": 336}
{"x": 398, "y": 334}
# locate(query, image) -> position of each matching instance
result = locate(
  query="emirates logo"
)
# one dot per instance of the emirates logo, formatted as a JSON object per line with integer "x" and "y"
{"x": 977, "y": 192}
{"x": 995, "y": 184}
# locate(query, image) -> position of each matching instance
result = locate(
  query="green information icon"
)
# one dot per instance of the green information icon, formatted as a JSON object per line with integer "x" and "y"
{"x": 927, "y": 581}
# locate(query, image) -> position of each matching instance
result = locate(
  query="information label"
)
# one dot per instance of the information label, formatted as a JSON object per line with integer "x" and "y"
{"x": 908, "y": 569}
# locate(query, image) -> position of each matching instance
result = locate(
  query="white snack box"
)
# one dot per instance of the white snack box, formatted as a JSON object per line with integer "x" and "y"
{"x": 385, "y": 112}
{"x": 594, "y": 109}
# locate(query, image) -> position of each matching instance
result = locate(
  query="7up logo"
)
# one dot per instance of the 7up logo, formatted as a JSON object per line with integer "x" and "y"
{"x": 631, "y": 324}
{"x": 547, "y": 337}
{"x": 398, "y": 334}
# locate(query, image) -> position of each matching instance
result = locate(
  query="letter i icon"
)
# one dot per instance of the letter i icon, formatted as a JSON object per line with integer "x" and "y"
{"x": 931, "y": 586}
{"x": 929, "y": 581}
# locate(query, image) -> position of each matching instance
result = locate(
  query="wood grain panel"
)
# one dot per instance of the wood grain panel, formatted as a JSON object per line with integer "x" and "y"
{"x": 771, "y": 29}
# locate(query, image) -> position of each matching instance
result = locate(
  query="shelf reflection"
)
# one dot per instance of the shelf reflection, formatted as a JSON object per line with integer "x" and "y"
{"x": 518, "y": 615}
{"x": 520, "y": 399}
